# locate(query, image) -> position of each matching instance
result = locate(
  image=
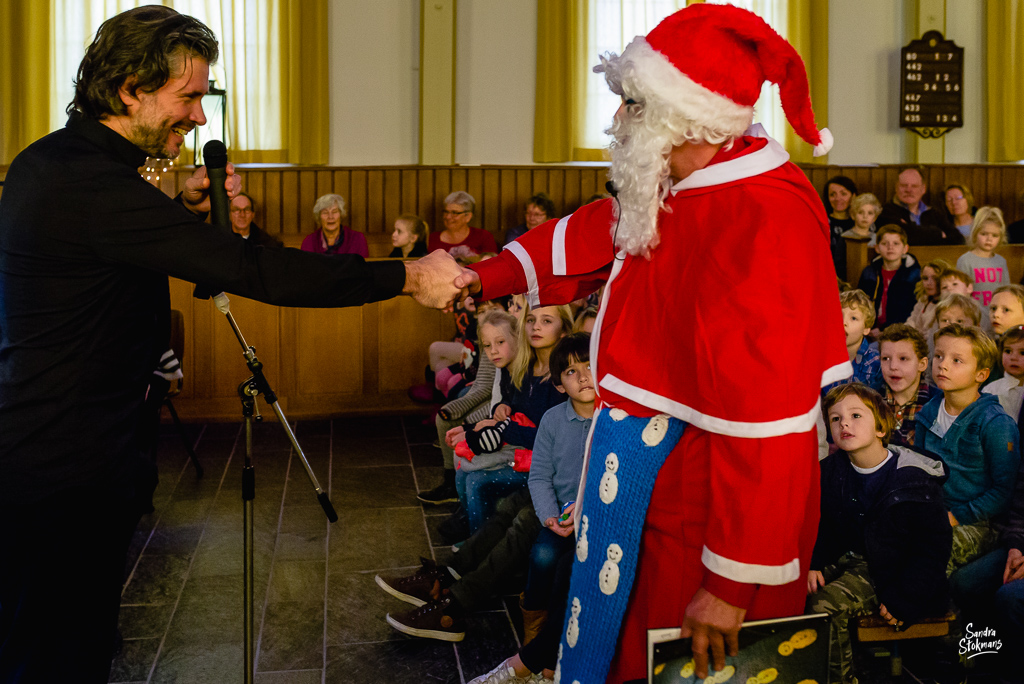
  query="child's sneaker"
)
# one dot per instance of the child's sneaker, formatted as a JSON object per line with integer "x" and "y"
{"x": 426, "y": 585}
{"x": 436, "y": 620}
{"x": 503, "y": 674}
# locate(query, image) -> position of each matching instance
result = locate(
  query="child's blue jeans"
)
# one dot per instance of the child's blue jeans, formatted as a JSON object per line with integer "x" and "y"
{"x": 544, "y": 556}
{"x": 480, "y": 490}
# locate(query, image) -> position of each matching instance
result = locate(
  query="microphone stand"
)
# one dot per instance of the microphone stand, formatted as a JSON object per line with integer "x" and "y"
{"x": 248, "y": 390}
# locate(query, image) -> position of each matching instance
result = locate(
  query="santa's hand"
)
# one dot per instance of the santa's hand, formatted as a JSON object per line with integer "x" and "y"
{"x": 468, "y": 280}
{"x": 711, "y": 622}
{"x": 196, "y": 195}
{"x": 429, "y": 279}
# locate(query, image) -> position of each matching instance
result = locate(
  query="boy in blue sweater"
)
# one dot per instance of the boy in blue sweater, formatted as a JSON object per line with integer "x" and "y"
{"x": 973, "y": 435}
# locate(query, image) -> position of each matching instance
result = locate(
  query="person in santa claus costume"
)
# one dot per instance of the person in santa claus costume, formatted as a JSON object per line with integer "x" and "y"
{"x": 719, "y": 324}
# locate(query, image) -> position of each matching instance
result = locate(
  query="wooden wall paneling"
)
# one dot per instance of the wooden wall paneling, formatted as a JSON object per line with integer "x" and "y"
{"x": 394, "y": 191}
{"x": 404, "y": 348}
{"x": 341, "y": 183}
{"x": 492, "y": 197}
{"x": 556, "y": 191}
{"x": 307, "y": 197}
{"x": 442, "y": 188}
{"x": 475, "y": 187}
{"x": 291, "y": 222}
{"x": 573, "y": 197}
{"x": 458, "y": 182}
{"x": 325, "y": 184}
{"x": 329, "y": 359}
{"x": 539, "y": 182}
{"x": 524, "y": 190}
{"x": 372, "y": 338}
{"x": 252, "y": 185}
{"x": 272, "y": 207}
{"x": 183, "y": 301}
{"x": 260, "y": 324}
{"x": 591, "y": 182}
{"x": 374, "y": 201}
{"x": 357, "y": 211}
{"x": 509, "y": 199}
{"x": 425, "y": 201}
{"x": 408, "y": 202}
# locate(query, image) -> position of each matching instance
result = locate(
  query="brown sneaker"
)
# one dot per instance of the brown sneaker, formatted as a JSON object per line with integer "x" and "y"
{"x": 436, "y": 620}
{"x": 426, "y": 585}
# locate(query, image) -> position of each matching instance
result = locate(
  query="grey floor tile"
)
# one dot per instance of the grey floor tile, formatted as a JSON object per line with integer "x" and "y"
{"x": 176, "y": 539}
{"x": 144, "y": 622}
{"x": 426, "y": 455}
{"x": 157, "y": 579}
{"x": 358, "y": 452}
{"x": 489, "y": 640}
{"x": 404, "y": 661}
{"x": 356, "y": 607}
{"x": 297, "y": 581}
{"x": 303, "y": 533}
{"x": 202, "y": 662}
{"x": 292, "y": 636}
{"x": 290, "y": 677}
{"x": 420, "y": 429}
{"x": 135, "y": 660}
{"x": 428, "y": 477}
{"x": 383, "y": 487}
{"x": 381, "y": 426}
{"x": 371, "y": 539}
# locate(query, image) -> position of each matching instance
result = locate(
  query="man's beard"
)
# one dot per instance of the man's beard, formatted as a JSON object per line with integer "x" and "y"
{"x": 153, "y": 140}
{"x": 641, "y": 177}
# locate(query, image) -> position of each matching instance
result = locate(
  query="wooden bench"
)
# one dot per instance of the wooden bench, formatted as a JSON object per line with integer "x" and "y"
{"x": 874, "y": 629}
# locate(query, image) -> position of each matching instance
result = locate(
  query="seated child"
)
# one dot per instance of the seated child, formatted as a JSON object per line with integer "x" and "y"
{"x": 904, "y": 358}
{"x": 1006, "y": 310}
{"x": 952, "y": 308}
{"x": 954, "y": 281}
{"x": 487, "y": 467}
{"x": 585, "y": 320}
{"x": 486, "y": 561}
{"x": 864, "y": 209}
{"x": 928, "y": 295}
{"x": 497, "y": 331}
{"x": 1009, "y": 388}
{"x": 988, "y": 269}
{"x": 883, "y": 540}
{"x": 858, "y": 316}
{"x": 890, "y": 278}
{"x": 409, "y": 238}
{"x": 971, "y": 432}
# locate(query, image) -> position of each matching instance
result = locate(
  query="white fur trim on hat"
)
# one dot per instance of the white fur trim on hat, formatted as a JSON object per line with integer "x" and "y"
{"x": 654, "y": 78}
{"x": 822, "y": 148}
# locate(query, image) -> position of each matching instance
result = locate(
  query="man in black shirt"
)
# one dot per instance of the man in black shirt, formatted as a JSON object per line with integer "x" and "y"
{"x": 86, "y": 246}
{"x": 242, "y": 213}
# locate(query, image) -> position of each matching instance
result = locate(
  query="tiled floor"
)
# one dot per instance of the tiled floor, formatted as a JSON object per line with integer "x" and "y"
{"x": 319, "y": 614}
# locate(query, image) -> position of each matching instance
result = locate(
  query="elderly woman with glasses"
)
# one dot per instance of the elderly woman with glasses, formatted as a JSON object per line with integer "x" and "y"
{"x": 457, "y": 233}
{"x": 331, "y": 237}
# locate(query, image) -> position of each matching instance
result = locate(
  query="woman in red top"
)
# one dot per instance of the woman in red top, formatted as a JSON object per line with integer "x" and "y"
{"x": 458, "y": 212}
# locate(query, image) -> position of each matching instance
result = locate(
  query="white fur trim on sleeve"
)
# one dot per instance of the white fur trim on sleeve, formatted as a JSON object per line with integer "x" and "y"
{"x": 836, "y": 373}
{"x": 558, "y": 261}
{"x": 520, "y": 253}
{"x": 750, "y": 573}
{"x": 827, "y": 141}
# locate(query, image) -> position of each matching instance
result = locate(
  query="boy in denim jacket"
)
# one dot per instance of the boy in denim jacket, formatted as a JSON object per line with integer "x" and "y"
{"x": 973, "y": 435}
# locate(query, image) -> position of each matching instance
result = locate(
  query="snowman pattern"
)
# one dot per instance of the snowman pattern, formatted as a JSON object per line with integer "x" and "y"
{"x": 617, "y": 414}
{"x": 572, "y": 633}
{"x": 609, "y": 486}
{"x": 608, "y": 580}
{"x": 581, "y": 543}
{"x": 655, "y": 431}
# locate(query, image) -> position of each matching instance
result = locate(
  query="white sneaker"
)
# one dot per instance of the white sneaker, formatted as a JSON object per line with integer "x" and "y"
{"x": 503, "y": 674}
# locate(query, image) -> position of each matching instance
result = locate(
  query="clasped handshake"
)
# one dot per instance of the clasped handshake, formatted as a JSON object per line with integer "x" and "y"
{"x": 438, "y": 281}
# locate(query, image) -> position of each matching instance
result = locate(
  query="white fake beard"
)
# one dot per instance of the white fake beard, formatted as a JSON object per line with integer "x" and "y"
{"x": 640, "y": 172}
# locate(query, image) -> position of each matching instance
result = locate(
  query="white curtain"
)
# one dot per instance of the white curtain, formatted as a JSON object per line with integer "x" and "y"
{"x": 612, "y": 24}
{"x": 248, "y": 68}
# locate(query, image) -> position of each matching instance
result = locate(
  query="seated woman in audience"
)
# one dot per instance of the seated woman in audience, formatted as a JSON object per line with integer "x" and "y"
{"x": 487, "y": 469}
{"x": 988, "y": 269}
{"x": 927, "y": 292}
{"x": 864, "y": 208}
{"x": 960, "y": 208}
{"x": 884, "y": 539}
{"x": 409, "y": 238}
{"x": 539, "y": 209}
{"x": 458, "y": 212}
{"x": 839, "y": 191}
{"x": 331, "y": 237}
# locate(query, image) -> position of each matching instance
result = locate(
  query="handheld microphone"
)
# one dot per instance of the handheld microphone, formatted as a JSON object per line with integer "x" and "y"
{"x": 215, "y": 154}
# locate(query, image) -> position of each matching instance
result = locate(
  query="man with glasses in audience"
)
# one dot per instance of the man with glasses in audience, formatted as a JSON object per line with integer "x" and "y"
{"x": 243, "y": 213}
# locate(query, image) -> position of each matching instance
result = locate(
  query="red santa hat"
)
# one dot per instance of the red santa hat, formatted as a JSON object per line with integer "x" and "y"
{"x": 707, "y": 63}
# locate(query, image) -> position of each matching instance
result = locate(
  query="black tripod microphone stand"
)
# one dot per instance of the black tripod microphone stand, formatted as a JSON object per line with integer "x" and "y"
{"x": 255, "y": 385}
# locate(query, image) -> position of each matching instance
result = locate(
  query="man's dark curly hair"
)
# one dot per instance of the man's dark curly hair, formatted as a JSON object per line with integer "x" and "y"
{"x": 143, "y": 44}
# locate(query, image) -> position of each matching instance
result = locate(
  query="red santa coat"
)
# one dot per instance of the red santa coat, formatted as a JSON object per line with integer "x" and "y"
{"x": 732, "y": 325}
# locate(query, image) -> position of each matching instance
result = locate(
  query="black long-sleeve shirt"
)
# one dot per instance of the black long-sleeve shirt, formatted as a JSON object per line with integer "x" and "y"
{"x": 86, "y": 246}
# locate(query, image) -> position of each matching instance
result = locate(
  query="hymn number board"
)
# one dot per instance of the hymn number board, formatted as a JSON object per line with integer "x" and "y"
{"x": 932, "y": 85}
